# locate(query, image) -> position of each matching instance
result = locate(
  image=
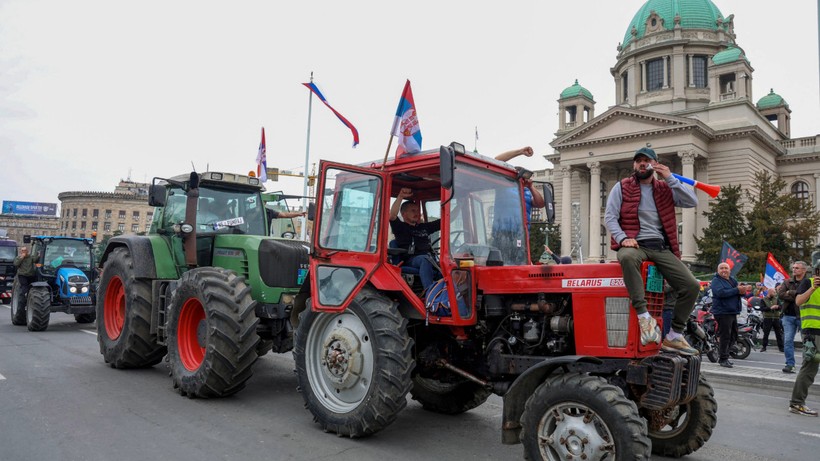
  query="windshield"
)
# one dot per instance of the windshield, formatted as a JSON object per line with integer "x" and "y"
{"x": 280, "y": 227}
{"x": 8, "y": 253}
{"x": 218, "y": 211}
{"x": 67, "y": 252}
{"x": 486, "y": 218}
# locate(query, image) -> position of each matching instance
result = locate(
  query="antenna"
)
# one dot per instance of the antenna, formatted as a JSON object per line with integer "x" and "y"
{"x": 192, "y": 166}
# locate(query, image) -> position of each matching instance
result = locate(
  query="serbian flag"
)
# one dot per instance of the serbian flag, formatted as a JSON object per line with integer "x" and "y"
{"x": 313, "y": 88}
{"x": 774, "y": 272}
{"x": 406, "y": 124}
{"x": 262, "y": 160}
{"x": 732, "y": 257}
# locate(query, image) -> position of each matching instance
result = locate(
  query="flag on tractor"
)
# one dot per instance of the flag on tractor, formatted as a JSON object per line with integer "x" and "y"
{"x": 775, "y": 273}
{"x": 315, "y": 90}
{"x": 262, "y": 160}
{"x": 732, "y": 257}
{"x": 406, "y": 124}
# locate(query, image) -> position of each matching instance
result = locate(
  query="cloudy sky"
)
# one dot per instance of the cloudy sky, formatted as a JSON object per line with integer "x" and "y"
{"x": 92, "y": 92}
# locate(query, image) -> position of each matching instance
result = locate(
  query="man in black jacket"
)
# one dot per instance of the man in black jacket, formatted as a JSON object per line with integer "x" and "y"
{"x": 726, "y": 293}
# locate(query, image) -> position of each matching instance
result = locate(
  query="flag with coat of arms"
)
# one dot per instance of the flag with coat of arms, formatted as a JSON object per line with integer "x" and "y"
{"x": 262, "y": 160}
{"x": 775, "y": 273}
{"x": 406, "y": 124}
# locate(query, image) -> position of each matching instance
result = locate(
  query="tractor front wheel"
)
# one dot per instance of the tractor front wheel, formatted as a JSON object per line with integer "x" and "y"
{"x": 212, "y": 336}
{"x": 688, "y": 426}
{"x": 18, "y": 305}
{"x": 124, "y": 313}
{"x": 354, "y": 367}
{"x": 575, "y": 416}
{"x": 38, "y": 309}
{"x": 85, "y": 318}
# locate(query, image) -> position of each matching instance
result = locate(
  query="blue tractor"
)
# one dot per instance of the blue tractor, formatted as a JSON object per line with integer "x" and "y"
{"x": 65, "y": 282}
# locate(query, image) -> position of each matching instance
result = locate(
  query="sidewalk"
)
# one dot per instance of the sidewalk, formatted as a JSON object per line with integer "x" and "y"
{"x": 754, "y": 376}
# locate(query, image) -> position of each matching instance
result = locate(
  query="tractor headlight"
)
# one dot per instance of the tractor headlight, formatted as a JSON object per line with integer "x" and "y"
{"x": 85, "y": 290}
{"x": 72, "y": 289}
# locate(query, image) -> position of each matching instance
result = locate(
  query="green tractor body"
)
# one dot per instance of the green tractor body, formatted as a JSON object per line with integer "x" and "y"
{"x": 207, "y": 287}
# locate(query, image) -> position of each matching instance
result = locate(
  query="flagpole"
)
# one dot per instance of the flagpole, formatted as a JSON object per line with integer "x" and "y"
{"x": 386, "y": 152}
{"x": 303, "y": 233}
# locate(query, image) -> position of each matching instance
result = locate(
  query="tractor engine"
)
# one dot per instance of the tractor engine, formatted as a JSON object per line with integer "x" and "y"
{"x": 530, "y": 324}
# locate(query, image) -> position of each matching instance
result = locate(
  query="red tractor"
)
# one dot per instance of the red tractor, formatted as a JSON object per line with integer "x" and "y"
{"x": 559, "y": 343}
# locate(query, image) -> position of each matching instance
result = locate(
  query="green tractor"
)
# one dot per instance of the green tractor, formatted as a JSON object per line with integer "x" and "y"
{"x": 207, "y": 288}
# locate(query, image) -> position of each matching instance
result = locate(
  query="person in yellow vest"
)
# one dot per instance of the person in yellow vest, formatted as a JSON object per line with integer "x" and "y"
{"x": 809, "y": 302}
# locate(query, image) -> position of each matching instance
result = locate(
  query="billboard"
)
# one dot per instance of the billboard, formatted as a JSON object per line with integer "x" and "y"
{"x": 29, "y": 208}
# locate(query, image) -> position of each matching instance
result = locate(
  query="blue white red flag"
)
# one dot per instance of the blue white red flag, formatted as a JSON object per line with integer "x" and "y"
{"x": 313, "y": 88}
{"x": 406, "y": 124}
{"x": 732, "y": 257}
{"x": 774, "y": 272}
{"x": 262, "y": 160}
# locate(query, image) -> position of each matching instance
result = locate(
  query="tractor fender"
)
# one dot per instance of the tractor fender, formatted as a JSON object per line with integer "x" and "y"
{"x": 142, "y": 254}
{"x": 41, "y": 285}
{"x": 522, "y": 388}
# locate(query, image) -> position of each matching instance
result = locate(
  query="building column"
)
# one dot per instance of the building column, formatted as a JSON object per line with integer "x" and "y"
{"x": 691, "y": 69}
{"x": 643, "y": 76}
{"x": 687, "y": 240}
{"x": 594, "y": 238}
{"x": 566, "y": 210}
{"x": 579, "y": 115}
{"x": 817, "y": 197}
{"x": 666, "y": 71}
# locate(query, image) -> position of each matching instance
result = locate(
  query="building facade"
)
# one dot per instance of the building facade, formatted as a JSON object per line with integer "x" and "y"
{"x": 101, "y": 214}
{"x": 683, "y": 85}
{"x": 19, "y": 226}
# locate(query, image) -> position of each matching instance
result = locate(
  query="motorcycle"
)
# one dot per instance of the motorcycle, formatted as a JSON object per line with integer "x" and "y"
{"x": 742, "y": 346}
{"x": 698, "y": 338}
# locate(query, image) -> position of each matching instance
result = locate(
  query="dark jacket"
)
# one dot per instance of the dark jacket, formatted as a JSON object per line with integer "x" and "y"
{"x": 725, "y": 296}
{"x": 25, "y": 265}
{"x": 664, "y": 202}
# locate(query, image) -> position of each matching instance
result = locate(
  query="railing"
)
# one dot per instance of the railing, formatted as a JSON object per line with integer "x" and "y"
{"x": 799, "y": 142}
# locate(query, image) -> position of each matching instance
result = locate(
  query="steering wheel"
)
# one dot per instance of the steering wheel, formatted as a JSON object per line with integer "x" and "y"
{"x": 437, "y": 248}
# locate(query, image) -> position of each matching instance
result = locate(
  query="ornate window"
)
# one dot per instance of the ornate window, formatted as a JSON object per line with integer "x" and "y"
{"x": 800, "y": 190}
{"x": 699, "y": 75}
{"x": 654, "y": 74}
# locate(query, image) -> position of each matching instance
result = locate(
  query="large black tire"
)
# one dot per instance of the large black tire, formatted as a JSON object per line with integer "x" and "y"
{"x": 38, "y": 309}
{"x": 211, "y": 333}
{"x": 18, "y": 305}
{"x": 85, "y": 318}
{"x": 447, "y": 398}
{"x": 124, "y": 313}
{"x": 575, "y": 416}
{"x": 691, "y": 425}
{"x": 741, "y": 349}
{"x": 354, "y": 367}
{"x": 264, "y": 346}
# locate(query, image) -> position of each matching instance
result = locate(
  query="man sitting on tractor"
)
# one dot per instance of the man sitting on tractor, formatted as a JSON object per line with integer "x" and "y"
{"x": 413, "y": 236}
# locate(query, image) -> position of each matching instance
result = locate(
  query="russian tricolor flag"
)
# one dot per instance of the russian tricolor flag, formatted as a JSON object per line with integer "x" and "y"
{"x": 406, "y": 124}
{"x": 774, "y": 272}
{"x": 313, "y": 88}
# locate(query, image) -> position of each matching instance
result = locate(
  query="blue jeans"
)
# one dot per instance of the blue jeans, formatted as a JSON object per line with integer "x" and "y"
{"x": 790, "y": 325}
{"x": 425, "y": 267}
{"x": 668, "y": 314}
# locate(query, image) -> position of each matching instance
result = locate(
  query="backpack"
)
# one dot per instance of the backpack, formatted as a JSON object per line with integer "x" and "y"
{"x": 437, "y": 301}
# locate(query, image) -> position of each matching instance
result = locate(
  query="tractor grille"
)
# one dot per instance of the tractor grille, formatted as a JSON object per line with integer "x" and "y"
{"x": 280, "y": 261}
{"x": 690, "y": 379}
{"x": 80, "y": 300}
{"x": 617, "y": 321}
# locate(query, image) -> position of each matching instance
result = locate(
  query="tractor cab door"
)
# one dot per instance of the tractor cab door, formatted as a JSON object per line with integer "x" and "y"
{"x": 345, "y": 233}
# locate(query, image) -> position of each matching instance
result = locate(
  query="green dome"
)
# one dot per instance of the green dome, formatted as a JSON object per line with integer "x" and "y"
{"x": 576, "y": 90}
{"x": 728, "y": 55}
{"x": 694, "y": 14}
{"x": 771, "y": 100}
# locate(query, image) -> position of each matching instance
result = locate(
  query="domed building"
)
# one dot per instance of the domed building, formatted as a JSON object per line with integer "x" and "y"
{"x": 684, "y": 86}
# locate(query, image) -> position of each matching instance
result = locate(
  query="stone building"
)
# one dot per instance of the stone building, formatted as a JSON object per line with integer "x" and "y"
{"x": 683, "y": 85}
{"x": 98, "y": 214}
{"x": 18, "y": 226}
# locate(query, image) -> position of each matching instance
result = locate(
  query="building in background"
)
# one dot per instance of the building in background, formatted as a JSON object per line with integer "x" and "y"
{"x": 101, "y": 214}
{"x": 684, "y": 85}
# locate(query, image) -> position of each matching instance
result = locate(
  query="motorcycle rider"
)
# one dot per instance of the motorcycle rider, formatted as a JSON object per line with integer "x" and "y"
{"x": 726, "y": 294}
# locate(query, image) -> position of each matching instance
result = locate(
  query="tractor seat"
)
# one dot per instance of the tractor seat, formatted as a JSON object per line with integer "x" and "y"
{"x": 394, "y": 256}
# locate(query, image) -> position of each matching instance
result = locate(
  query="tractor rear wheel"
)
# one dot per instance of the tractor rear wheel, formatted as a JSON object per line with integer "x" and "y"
{"x": 38, "y": 309}
{"x": 18, "y": 305}
{"x": 85, "y": 318}
{"x": 689, "y": 425}
{"x": 575, "y": 416}
{"x": 354, "y": 367}
{"x": 211, "y": 333}
{"x": 448, "y": 398}
{"x": 124, "y": 313}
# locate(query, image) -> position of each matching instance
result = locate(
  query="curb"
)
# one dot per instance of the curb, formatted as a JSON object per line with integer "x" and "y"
{"x": 749, "y": 376}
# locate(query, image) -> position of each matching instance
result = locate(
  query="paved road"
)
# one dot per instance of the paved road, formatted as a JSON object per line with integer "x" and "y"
{"x": 58, "y": 401}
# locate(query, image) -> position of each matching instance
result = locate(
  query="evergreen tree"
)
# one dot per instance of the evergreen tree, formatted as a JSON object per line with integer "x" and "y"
{"x": 541, "y": 233}
{"x": 726, "y": 222}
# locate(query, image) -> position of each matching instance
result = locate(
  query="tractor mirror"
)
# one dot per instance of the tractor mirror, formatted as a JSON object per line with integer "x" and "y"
{"x": 447, "y": 160}
{"x": 156, "y": 195}
{"x": 311, "y": 214}
{"x": 549, "y": 201}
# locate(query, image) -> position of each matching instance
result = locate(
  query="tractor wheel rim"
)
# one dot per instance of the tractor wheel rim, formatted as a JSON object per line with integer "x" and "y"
{"x": 114, "y": 308}
{"x": 340, "y": 355}
{"x": 191, "y": 339}
{"x": 574, "y": 431}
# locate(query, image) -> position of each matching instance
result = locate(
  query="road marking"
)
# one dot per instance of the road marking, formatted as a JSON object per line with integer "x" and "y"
{"x": 810, "y": 434}
{"x": 2, "y": 377}
{"x": 90, "y": 332}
